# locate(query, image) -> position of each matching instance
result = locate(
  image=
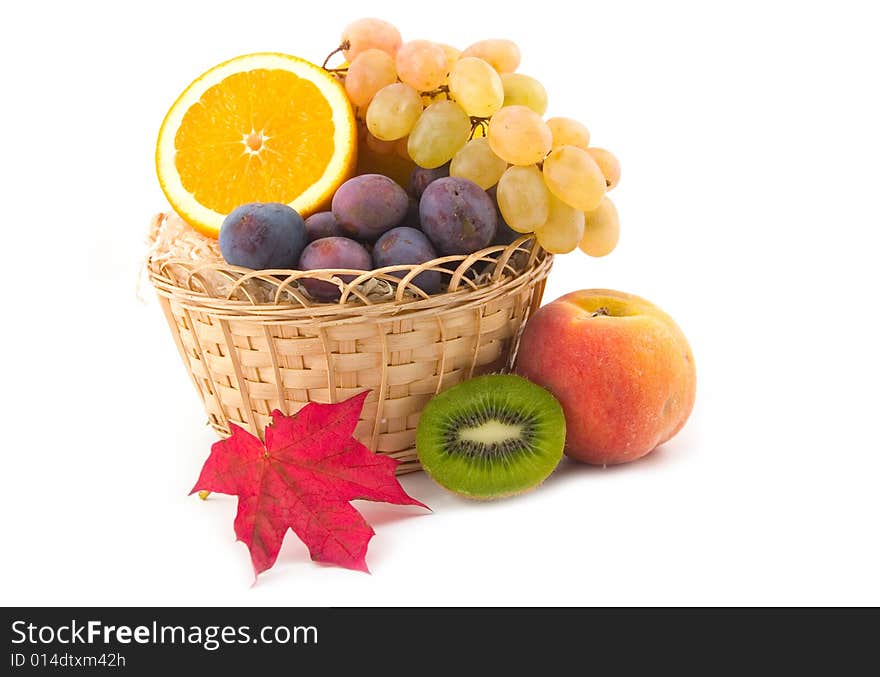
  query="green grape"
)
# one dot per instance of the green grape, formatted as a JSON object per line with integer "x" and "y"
{"x": 502, "y": 55}
{"x": 563, "y": 229}
{"x": 438, "y": 134}
{"x": 518, "y": 135}
{"x": 601, "y": 230}
{"x": 370, "y": 71}
{"x": 609, "y": 165}
{"x": 365, "y": 34}
{"x": 421, "y": 64}
{"x": 393, "y": 111}
{"x": 476, "y": 162}
{"x": 574, "y": 177}
{"x": 523, "y": 198}
{"x": 476, "y": 86}
{"x": 523, "y": 90}
{"x": 568, "y": 132}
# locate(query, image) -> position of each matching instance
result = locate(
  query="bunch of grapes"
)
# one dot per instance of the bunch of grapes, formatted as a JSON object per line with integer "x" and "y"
{"x": 471, "y": 110}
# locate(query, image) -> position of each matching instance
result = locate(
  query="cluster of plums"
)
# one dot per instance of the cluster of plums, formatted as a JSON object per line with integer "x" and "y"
{"x": 373, "y": 223}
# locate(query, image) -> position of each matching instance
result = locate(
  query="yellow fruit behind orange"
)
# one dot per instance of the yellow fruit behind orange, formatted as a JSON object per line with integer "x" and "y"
{"x": 258, "y": 128}
{"x": 371, "y": 160}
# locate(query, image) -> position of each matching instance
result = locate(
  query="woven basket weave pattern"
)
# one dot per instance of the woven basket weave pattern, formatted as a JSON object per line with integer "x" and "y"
{"x": 247, "y": 359}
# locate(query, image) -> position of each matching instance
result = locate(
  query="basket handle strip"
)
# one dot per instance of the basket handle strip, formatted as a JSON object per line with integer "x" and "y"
{"x": 479, "y": 314}
{"x": 279, "y": 384}
{"x": 211, "y": 383}
{"x": 534, "y": 302}
{"x": 521, "y": 299}
{"x": 285, "y": 286}
{"x": 383, "y": 386}
{"x": 504, "y": 259}
{"x": 239, "y": 377}
{"x": 537, "y": 294}
{"x": 349, "y": 289}
{"x": 403, "y": 325}
{"x": 533, "y": 254}
{"x": 406, "y": 283}
{"x": 442, "y": 367}
{"x": 458, "y": 276}
{"x": 331, "y": 382}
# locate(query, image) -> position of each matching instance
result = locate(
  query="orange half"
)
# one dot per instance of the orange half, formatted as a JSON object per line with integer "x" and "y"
{"x": 258, "y": 128}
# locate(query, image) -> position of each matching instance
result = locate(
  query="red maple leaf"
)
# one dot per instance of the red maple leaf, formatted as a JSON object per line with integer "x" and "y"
{"x": 303, "y": 478}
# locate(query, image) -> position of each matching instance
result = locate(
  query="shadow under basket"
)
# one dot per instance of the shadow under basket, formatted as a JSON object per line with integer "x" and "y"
{"x": 255, "y": 341}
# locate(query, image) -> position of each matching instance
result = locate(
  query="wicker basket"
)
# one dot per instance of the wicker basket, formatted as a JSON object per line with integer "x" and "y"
{"x": 255, "y": 341}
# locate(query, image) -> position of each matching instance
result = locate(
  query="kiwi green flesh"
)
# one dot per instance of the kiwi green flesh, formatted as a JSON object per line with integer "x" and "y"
{"x": 491, "y": 436}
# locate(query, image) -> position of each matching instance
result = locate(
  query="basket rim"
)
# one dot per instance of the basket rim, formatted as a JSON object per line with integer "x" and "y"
{"x": 354, "y": 303}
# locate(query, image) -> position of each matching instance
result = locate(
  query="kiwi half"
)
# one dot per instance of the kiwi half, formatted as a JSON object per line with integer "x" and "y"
{"x": 491, "y": 436}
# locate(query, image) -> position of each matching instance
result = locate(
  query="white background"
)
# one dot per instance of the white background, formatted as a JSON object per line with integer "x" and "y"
{"x": 748, "y": 134}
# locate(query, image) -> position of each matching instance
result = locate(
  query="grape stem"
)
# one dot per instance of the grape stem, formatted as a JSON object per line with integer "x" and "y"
{"x": 342, "y": 47}
{"x": 442, "y": 89}
{"x": 478, "y": 123}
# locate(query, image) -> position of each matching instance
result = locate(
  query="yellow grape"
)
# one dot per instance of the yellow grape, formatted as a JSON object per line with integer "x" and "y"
{"x": 476, "y": 86}
{"x": 518, "y": 135}
{"x": 365, "y": 34}
{"x": 439, "y": 133}
{"x": 421, "y": 64}
{"x": 452, "y": 55}
{"x": 476, "y": 162}
{"x": 502, "y": 55}
{"x": 568, "y": 132}
{"x": 523, "y": 90}
{"x": 370, "y": 71}
{"x": 602, "y": 229}
{"x": 609, "y": 165}
{"x": 563, "y": 229}
{"x": 573, "y": 176}
{"x": 393, "y": 111}
{"x": 523, "y": 198}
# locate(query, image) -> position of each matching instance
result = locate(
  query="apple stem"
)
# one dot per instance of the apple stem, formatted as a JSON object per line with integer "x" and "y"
{"x": 602, "y": 311}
